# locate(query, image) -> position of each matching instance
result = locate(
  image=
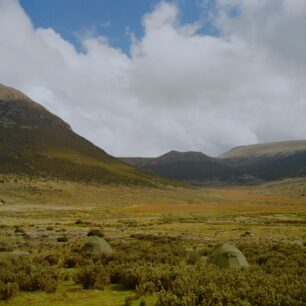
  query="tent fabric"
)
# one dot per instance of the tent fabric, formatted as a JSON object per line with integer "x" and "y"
{"x": 227, "y": 256}
{"x": 96, "y": 245}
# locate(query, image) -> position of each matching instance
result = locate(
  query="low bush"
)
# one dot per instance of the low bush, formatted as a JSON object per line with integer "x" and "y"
{"x": 142, "y": 303}
{"x": 193, "y": 257}
{"x": 72, "y": 261}
{"x": 208, "y": 285}
{"x": 92, "y": 276}
{"x": 7, "y": 290}
{"x": 27, "y": 275}
{"x": 62, "y": 239}
{"x": 95, "y": 232}
{"x": 65, "y": 276}
{"x": 19, "y": 230}
{"x": 160, "y": 266}
{"x": 4, "y": 247}
{"x": 82, "y": 223}
{"x": 39, "y": 279}
{"x": 50, "y": 260}
{"x": 276, "y": 276}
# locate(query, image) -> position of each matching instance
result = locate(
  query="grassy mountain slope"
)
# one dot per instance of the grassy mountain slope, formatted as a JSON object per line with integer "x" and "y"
{"x": 270, "y": 161}
{"x": 35, "y": 142}
{"x": 277, "y": 167}
{"x": 283, "y": 148}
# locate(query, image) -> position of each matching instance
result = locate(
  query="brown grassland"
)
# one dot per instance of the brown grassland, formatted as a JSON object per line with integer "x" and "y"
{"x": 160, "y": 238}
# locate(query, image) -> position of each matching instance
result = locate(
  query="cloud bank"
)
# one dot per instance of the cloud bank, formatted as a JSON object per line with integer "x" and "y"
{"x": 179, "y": 89}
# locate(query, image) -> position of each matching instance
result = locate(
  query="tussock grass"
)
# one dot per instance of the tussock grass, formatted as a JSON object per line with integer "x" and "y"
{"x": 160, "y": 238}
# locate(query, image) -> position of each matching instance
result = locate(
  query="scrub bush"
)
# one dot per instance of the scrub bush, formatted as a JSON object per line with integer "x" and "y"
{"x": 92, "y": 276}
{"x": 23, "y": 273}
{"x": 7, "y": 290}
{"x": 95, "y": 232}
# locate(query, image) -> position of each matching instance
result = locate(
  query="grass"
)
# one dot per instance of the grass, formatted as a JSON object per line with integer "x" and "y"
{"x": 266, "y": 198}
{"x": 69, "y": 294}
{"x": 266, "y": 149}
{"x": 86, "y": 160}
{"x": 45, "y": 210}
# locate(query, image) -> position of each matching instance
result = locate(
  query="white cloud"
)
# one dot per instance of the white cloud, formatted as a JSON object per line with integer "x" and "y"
{"x": 179, "y": 89}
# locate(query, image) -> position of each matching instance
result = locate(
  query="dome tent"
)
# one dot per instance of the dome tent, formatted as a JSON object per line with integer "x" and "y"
{"x": 96, "y": 245}
{"x": 227, "y": 256}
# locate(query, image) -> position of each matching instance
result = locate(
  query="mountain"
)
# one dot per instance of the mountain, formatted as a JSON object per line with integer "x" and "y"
{"x": 35, "y": 142}
{"x": 246, "y": 164}
{"x": 283, "y": 148}
{"x": 269, "y": 161}
{"x": 194, "y": 167}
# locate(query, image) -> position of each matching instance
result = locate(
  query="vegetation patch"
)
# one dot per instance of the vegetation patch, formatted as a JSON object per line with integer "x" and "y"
{"x": 160, "y": 241}
{"x": 95, "y": 232}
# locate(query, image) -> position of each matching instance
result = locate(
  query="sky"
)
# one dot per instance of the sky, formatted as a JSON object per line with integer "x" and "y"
{"x": 116, "y": 20}
{"x": 142, "y": 77}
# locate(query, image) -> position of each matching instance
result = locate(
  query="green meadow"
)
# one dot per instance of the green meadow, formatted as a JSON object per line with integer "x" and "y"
{"x": 160, "y": 237}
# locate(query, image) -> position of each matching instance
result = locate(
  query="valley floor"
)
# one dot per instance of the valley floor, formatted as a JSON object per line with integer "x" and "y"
{"x": 35, "y": 213}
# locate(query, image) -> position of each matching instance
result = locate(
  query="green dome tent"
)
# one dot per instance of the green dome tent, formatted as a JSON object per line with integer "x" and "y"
{"x": 227, "y": 256}
{"x": 96, "y": 245}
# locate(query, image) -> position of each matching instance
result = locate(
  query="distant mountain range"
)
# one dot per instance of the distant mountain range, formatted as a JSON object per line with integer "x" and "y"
{"x": 35, "y": 142}
{"x": 245, "y": 164}
{"x": 193, "y": 167}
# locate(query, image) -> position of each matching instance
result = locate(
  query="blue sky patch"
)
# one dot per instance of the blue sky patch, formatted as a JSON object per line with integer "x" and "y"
{"x": 113, "y": 19}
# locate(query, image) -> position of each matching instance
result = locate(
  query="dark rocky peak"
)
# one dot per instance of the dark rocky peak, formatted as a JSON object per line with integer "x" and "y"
{"x": 175, "y": 156}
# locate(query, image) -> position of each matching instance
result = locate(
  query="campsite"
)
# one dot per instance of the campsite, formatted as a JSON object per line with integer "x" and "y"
{"x": 160, "y": 242}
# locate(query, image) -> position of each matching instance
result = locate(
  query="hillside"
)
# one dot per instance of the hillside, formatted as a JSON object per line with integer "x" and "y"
{"x": 284, "y": 148}
{"x": 35, "y": 142}
{"x": 194, "y": 167}
{"x": 271, "y": 161}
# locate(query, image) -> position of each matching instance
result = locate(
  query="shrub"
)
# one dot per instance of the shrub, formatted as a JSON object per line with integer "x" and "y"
{"x": 95, "y": 232}
{"x": 193, "y": 257}
{"x": 65, "y": 276}
{"x": 62, "y": 239}
{"x": 146, "y": 287}
{"x": 145, "y": 278}
{"x": 208, "y": 285}
{"x": 39, "y": 279}
{"x": 4, "y": 247}
{"x": 52, "y": 259}
{"x": 70, "y": 261}
{"x": 7, "y": 290}
{"x": 92, "y": 276}
{"x": 128, "y": 301}
{"x": 142, "y": 303}
{"x": 27, "y": 274}
{"x": 19, "y": 230}
{"x": 81, "y": 222}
